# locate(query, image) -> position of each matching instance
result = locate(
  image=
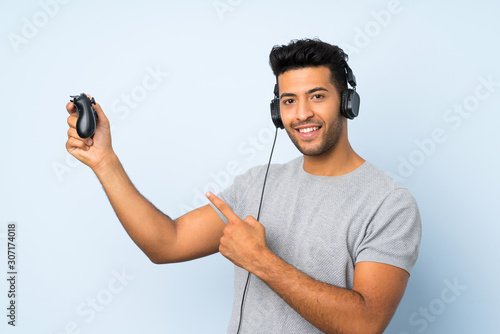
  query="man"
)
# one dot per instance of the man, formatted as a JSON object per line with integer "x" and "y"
{"x": 337, "y": 238}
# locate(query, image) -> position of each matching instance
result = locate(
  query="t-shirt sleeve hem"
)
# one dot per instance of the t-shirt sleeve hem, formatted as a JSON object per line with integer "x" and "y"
{"x": 390, "y": 261}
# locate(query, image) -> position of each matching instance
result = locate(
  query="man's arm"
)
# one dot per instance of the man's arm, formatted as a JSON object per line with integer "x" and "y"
{"x": 162, "y": 239}
{"x": 367, "y": 308}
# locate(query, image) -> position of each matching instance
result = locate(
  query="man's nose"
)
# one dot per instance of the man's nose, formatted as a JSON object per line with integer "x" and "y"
{"x": 304, "y": 111}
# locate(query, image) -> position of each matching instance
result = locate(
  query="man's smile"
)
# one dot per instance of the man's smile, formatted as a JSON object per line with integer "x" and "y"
{"x": 307, "y": 131}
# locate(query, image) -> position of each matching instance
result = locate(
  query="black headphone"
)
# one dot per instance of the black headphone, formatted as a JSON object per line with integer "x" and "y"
{"x": 349, "y": 103}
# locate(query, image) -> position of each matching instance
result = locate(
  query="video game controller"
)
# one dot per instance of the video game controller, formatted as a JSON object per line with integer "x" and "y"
{"x": 85, "y": 125}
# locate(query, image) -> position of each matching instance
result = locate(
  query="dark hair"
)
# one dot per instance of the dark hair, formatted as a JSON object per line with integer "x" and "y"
{"x": 301, "y": 53}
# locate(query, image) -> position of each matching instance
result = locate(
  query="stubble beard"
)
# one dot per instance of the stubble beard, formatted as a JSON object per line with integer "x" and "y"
{"x": 329, "y": 139}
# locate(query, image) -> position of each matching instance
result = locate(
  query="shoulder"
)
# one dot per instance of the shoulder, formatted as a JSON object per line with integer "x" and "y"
{"x": 379, "y": 183}
{"x": 377, "y": 177}
{"x": 381, "y": 197}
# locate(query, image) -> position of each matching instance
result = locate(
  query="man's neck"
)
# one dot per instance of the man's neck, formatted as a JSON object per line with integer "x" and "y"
{"x": 340, "y": 160}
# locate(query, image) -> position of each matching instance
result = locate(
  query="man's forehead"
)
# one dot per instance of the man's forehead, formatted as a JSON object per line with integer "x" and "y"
{"x": 305, "y": 78}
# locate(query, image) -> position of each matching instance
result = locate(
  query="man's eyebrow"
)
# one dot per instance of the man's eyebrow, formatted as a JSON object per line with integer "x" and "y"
{"x": 287, "y": 94}
{"x": 310, "y": 91}
{"x": 316, "y": 89}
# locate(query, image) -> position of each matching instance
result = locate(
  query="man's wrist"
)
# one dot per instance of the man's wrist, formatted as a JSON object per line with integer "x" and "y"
{"x": 106, "y": 165}
{"x": 268, "y": 262}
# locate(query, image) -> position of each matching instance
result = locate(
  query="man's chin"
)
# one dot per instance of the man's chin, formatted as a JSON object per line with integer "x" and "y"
{"x": 309, "y": 151}
{"x": 316, "y": 149}
{"x": 311, "y": 148}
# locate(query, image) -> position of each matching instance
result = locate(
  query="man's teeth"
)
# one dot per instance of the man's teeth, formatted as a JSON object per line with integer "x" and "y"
{"x": 307, "y": 130}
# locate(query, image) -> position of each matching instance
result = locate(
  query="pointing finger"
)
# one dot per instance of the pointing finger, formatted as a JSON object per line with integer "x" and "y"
{"x": 222, "y": 206}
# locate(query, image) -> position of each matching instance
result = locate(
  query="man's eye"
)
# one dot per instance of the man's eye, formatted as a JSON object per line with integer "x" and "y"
{"x": 318, "y": 96}
{"x": 288, "y": 101}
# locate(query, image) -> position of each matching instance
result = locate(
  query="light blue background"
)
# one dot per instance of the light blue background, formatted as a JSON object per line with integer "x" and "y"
{"x": 212, "y": 109}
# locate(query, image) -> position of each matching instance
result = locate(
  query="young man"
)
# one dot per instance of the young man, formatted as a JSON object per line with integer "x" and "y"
{"x": 337, "y": 238}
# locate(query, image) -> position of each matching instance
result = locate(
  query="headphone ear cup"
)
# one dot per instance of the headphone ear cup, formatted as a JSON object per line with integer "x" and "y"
{"x": 275, "y": 113}
{"x": 349, "y": 103}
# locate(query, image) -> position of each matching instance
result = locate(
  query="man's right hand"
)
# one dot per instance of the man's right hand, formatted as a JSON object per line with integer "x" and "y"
{"x": 92, "y": 152}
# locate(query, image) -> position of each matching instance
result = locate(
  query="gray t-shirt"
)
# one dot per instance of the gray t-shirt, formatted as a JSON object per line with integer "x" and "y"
{"x": 322, "y": 226}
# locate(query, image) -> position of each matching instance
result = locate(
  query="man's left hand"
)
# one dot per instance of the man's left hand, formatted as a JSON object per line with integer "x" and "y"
{"x": 244, "y": 240}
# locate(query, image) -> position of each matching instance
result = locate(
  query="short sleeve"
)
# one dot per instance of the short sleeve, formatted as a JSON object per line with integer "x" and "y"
{"x": 235, "y": 193}
{"x": 393, "y": 234}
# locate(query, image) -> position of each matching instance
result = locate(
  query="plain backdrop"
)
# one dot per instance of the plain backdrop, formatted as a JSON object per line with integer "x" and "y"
{"x": 186, "y": 86}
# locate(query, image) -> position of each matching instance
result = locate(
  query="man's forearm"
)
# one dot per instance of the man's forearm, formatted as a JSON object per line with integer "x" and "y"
{"x": 148, "y": 227}
{"x": 331, "y": 309}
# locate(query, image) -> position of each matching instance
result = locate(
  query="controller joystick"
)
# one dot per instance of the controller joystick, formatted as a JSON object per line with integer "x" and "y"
{"x": 85, "y": 125}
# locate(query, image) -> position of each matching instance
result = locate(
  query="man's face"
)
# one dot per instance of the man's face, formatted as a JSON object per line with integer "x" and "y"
{"x": 310, "y": 109}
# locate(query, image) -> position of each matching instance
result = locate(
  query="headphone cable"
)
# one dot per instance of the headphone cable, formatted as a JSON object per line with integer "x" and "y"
{"x": 258, "y": 217}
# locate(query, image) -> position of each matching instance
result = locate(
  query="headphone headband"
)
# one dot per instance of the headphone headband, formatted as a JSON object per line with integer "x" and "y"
{"x": 351, "y": 79}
